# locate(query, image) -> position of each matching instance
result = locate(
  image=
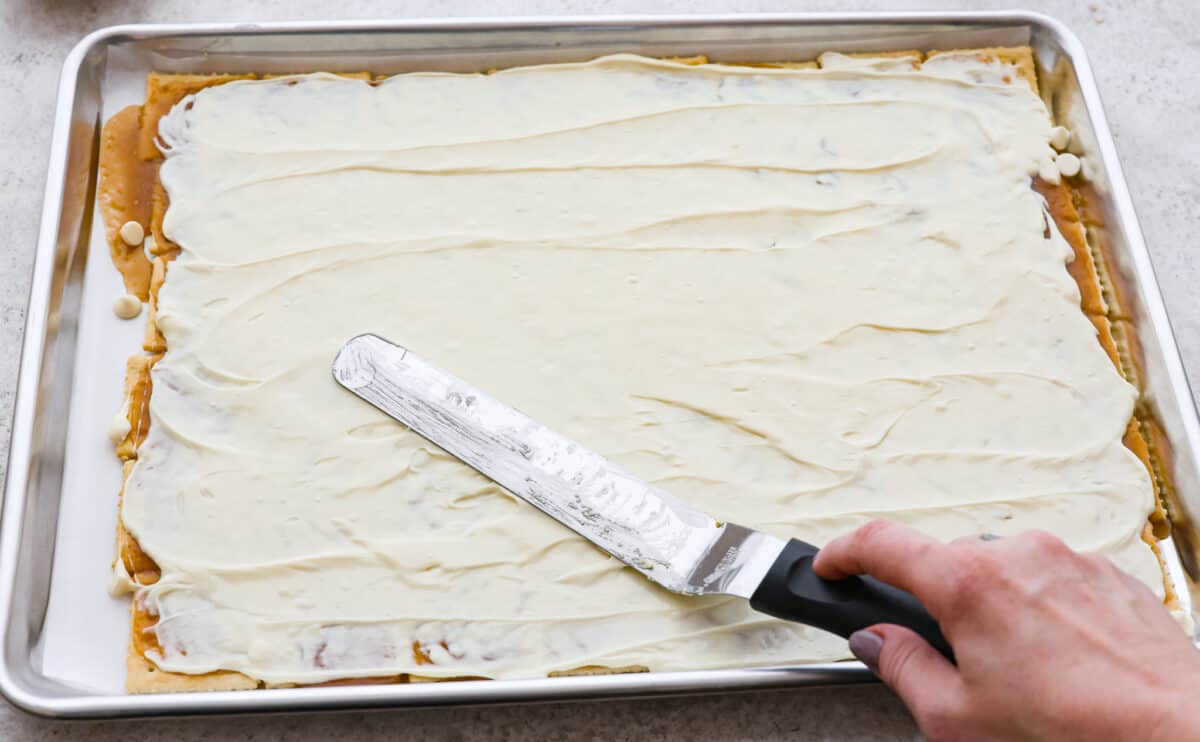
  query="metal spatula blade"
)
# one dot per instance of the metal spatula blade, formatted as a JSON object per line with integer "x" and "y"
{"x": 678, "y": 547}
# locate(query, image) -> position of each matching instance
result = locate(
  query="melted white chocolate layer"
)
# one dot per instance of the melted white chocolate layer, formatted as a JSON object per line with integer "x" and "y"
{"x": 798, "y": 299}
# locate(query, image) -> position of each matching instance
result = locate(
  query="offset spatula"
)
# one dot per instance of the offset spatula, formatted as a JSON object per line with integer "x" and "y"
{"x": 680, "y": 548}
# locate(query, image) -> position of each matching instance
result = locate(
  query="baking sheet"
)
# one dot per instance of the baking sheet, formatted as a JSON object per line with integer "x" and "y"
{"x": 82, "y": 641}
{"x": 86, "y": 630}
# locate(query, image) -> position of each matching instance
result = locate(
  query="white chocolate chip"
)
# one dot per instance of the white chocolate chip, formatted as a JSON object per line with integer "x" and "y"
{"x": 127, "y": 306}
{"x": 1060, "y": 137}
{"x": 119, "y": 582}
{"x": 1049, "y": 173}
{"x": 119, "y": 429}
{"x": 1068, "y": 164}
{"x": 132, "y": 233}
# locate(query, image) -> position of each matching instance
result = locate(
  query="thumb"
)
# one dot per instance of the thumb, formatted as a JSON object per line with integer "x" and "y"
{"x": 915, "y": 671}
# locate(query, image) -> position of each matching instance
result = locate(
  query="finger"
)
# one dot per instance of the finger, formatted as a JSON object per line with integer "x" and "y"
{"x": 925, "y": 680}
{"x": 1133, "y": 584}
{"x": 888, "y": 551}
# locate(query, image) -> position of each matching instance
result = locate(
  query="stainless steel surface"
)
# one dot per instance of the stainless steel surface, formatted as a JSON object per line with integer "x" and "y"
{"x": 42, "y": 406}
{"x": 665, "y": 539}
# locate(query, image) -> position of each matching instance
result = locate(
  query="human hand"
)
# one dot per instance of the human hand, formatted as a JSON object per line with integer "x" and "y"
{"x": 1049, "y": 644}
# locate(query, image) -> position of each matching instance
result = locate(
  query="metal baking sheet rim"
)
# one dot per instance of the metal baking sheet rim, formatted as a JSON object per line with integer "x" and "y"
{"x": 20, "y": 611}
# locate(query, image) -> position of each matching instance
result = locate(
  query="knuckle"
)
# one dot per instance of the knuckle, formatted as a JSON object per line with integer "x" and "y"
{"x": 966, "y": 580}
{"x": 873, "y": 530}
{"x": 980, "y": 562}
{"x": 894, "y": 664}
{"x": 1100, "y": 570}
{"x": 1134, "y": 587}
{"x": 897, "y": 666}
{"x": 1047, "y": 543}
{"x": 965, "y": 543}
{"x": 940, "y": 719}
{"x": 970, "y": 577}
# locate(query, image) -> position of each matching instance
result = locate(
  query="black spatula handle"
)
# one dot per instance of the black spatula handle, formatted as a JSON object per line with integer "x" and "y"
{"x": 791, "y": 591}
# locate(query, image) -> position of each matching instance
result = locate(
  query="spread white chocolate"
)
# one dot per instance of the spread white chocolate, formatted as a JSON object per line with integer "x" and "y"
{"x": 796, "y": 298}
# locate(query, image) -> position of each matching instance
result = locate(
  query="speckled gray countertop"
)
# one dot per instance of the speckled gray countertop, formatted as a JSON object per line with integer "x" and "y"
{"x": 1146, "y": 54}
